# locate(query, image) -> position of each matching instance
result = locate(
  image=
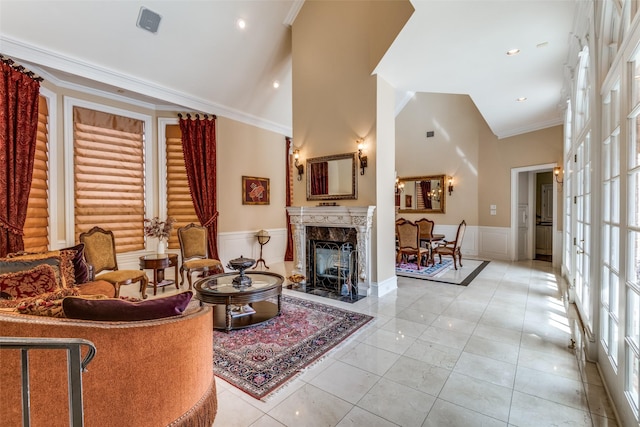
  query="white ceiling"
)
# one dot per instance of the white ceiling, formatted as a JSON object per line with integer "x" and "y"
{"x": 201, "y": 61}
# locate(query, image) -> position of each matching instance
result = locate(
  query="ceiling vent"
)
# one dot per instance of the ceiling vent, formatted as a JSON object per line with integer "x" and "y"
{"x": 148, "y": 20}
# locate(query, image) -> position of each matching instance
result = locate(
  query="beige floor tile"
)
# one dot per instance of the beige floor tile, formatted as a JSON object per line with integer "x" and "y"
{"x": 418, "y": 375}
{"x": 445, "y": 414}
{"x": 445, "y": 337}
{"x": 531, "y": 411}
{"x": 397, "y": 403}
{"x": 486, "y": 369}
{"x": 369, "y": 358}
{"x": 552, "y": 387}
{"x": 494, "y": 349}
{"x": 479, "y": 396}
{"x": 358, "y": 417}
{"x": 345, "y": 381}
{"x": 310, "y": 407}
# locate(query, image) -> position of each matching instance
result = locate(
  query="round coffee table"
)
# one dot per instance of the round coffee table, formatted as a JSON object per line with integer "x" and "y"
{"x": 244, "y": 306}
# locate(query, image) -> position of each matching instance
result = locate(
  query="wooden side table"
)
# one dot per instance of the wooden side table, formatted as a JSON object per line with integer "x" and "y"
{"x": 157, "y": 263}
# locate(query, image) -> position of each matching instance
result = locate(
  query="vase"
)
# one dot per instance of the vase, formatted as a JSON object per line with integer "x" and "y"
{"x": 161, "y": 247}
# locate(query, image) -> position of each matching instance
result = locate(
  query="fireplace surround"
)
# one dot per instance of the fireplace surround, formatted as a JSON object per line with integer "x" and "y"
{"x": 313, "y": 222}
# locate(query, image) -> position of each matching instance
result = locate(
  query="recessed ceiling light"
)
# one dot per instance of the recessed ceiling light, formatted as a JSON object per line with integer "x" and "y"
{"x": 513, "y": 52}
{"x": 521, "y": 99}
{"x": 241, "y": 23}
{"x": 276, "y": 84}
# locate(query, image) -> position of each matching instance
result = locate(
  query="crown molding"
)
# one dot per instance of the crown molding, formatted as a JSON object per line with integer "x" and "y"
{"x": 532, "y": 128}
{"x": 177, "y": 100}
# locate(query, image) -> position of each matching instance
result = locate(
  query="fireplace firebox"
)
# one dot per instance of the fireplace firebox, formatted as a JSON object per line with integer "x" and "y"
{"x": 332, "y": 269}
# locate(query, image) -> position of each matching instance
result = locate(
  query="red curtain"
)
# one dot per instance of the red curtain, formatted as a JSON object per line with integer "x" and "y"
{"x": 199, "y": 148}
{"x": 319, "y": 178}
{"x": 426, "y": 196}
{"x": 18, "y": 131}
{"x": 288, "y": 254}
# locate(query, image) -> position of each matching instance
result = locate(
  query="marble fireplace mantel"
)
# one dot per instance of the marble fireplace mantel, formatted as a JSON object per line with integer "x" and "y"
{"x": 358, "y": 217}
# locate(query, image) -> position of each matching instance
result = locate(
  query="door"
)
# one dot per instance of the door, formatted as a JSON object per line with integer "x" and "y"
{"x": 546, "y": 201}
{"x": 523, "y": 229}
{"x": 581, "y": 232}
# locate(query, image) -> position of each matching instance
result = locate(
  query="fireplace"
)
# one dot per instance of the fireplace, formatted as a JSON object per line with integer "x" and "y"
{"x": 341, "y": 233}
{"x": 332, "y": 262}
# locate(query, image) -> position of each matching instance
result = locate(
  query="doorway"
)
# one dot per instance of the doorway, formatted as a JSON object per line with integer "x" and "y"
{"x": 533, "y": 213}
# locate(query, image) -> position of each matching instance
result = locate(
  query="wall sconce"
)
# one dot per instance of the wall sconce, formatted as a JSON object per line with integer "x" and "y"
{"x": 299, "y": 167}
{"x": 361, "y": 157}
{"x": 556, "y": 173}
{"x": 450, "y": 185}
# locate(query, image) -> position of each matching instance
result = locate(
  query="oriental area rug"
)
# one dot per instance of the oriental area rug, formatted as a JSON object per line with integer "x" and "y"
{"x": 444, "y": 273}
{"x": 260, "y": 359}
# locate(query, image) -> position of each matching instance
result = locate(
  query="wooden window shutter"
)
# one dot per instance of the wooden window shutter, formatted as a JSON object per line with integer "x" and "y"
{"x": 36, "y": 226}
{"x": 108, "y": 156}
{"x": 179, "y": 202}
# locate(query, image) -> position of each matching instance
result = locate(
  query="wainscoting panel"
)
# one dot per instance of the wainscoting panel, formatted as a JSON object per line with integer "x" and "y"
{"x": 245, "y": 243}
{"x": 494, "y": 242}
{"x": 469, "y": 242}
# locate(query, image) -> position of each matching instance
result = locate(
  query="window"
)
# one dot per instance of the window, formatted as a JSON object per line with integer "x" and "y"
{"x": 109, "y": 180}
{"x": 609, "y": 298}
{"x": 36, "y": 226}
{"x": 179, "y": 202}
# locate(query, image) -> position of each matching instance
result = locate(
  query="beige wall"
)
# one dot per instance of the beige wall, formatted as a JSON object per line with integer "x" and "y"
{"x": 499, "y": 156}
{"x": 335, "y": 47}
{"x": 452, "y": 151}
{"x": 250, "y": 151}
{"x": 464, "y": 147}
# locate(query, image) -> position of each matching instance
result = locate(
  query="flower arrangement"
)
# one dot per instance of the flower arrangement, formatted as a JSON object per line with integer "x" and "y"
{"x": 161, "y": 229}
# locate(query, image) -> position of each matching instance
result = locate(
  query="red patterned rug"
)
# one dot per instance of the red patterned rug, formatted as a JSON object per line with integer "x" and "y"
{"x": 262, "y": 358}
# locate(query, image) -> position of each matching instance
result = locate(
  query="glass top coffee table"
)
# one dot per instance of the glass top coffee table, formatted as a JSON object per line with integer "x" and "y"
{"x": 244, "y": 305}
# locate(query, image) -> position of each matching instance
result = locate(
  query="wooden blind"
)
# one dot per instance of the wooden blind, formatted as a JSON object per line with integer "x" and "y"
{"x": 36, "y": 227}
{"x": 108, "y": 156}
{"x": 179, "y": 202}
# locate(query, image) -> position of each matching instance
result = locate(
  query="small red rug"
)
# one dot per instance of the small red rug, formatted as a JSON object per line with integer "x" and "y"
{"x": 259, "y": 359}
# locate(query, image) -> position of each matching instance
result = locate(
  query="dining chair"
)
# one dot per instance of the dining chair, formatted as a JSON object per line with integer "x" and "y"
{"x": 100, "y": 253}
{"x": 409, "y": 242}
{"x": 426, "y": 235}
{"x": 194, "y": 248}
{"x": 452, "y": 248}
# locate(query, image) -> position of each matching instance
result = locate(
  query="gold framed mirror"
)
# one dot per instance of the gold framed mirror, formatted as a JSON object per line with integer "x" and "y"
{"x": 422, "y": 194}
{"x": 332, "y": 177}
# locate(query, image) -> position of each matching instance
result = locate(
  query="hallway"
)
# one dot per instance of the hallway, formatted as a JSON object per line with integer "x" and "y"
{"x": 495, "y": 353}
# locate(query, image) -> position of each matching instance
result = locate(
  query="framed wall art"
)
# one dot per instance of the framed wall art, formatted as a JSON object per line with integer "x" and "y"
{"x": 255, "y": 191}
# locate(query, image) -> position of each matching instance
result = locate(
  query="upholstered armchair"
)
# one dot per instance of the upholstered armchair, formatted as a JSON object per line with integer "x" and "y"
{"x": 194, "y": 248}
{"x": 100, "y": 253}
{"x": 452, "y": 248}
{"x": 409, "y": 242}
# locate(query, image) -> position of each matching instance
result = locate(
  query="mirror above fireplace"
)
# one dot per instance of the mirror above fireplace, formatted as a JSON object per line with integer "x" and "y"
{"x": 332, "y": 177}
{"x": 422, "y": 194}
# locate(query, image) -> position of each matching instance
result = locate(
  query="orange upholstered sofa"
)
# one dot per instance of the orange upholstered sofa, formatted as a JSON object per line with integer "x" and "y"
{"x": 145, "y": 373}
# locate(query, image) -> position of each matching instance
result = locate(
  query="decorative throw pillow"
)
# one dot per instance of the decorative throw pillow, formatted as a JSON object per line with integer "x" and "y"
{"x": 80, "y": 266}
{"x": 113, "y": 309}
{"x": 27, "y": 261}
{"x": 29, "y": 282}
{"x": 48, "y": 304}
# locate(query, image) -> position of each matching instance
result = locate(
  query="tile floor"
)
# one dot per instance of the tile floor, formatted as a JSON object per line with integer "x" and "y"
{"x": 495, "y": 353}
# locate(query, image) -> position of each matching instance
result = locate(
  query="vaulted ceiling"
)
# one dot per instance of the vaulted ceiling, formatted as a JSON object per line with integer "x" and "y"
{"x": 199, "y": 58}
